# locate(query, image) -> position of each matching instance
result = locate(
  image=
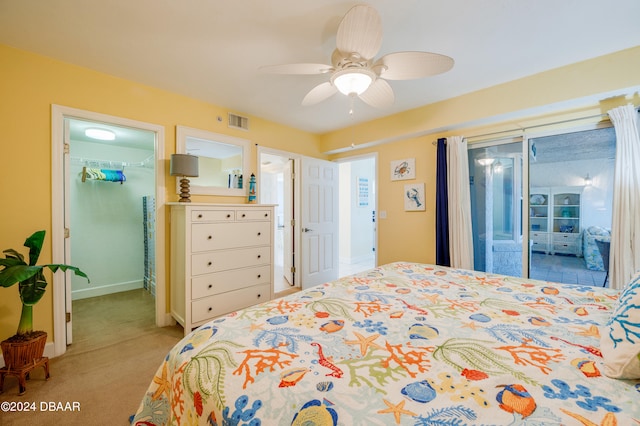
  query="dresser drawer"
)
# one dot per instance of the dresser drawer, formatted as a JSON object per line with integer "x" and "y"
{"x": 539, "y": 246}
{"x": 216, "y": 236}
{"x": 568, "y": 238}
{"x": 213, "y": 306}
{"x": 213, "y": 215}
{"x": 540, "y": 237}
{"x": 222, "y": 282}
{"x": 248, "y": 215}
{"x": 566, "y": 248}
{"x": 215, "y": 261}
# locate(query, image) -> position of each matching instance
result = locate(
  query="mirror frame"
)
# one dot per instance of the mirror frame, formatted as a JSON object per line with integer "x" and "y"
{"x": 182, "y": 133}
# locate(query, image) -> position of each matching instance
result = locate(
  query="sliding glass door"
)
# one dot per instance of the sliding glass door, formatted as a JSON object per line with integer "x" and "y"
{"x": 495, "y": 175}
{"x": 571, "y": 199}
{"x": 553, "y": 234}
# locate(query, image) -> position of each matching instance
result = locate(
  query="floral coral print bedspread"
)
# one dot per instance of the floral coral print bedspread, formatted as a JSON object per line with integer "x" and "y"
{"x": 404, "y": 343}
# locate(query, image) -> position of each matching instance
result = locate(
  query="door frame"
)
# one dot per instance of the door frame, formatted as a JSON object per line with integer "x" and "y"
{"x": 296, "y": 202}
{"x": 58, "y": 205}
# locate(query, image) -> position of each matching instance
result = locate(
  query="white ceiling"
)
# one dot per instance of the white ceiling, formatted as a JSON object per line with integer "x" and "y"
{"x": 212, "y": 49}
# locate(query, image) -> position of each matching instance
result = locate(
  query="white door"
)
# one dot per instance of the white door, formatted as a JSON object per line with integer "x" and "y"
{"x": 288, "y": 231}
{"x": 319, "y": 221}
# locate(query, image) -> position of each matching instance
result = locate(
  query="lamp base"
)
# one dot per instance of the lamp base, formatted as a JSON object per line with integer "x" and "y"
{"x": 185, "y": 197}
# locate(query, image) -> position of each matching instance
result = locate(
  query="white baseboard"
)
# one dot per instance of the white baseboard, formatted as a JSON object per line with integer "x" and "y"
{"x": 106, "y": 289}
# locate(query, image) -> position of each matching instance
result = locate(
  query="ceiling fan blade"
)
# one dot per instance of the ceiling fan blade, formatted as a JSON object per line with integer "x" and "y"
{"x": 310, "y": 69}
{"x": 379, "y": 94}
{"x": 410, "y": 65}
{"x": 360, "y": 32}
{"x": 319, "y": 93}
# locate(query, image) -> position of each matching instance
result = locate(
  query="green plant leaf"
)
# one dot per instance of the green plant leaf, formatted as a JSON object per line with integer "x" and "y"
{"x": 55, "y": 266}
{"x": 18, "y": 273}
{"x": 32, "y": 290}
{"x": 8, "y": 262}
{"x": 34, "y": 244}
{"x": 14, "y": 255}
{"x": 13, "y": 274}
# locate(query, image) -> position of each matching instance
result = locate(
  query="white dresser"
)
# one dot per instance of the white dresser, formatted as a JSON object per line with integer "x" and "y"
{"x": 221, "y": 259}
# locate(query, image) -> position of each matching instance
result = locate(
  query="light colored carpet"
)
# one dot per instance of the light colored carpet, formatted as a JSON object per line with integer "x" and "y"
{"x": 114, "y": 356}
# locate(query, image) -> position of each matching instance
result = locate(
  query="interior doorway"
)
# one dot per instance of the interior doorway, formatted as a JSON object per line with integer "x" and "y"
{"x": 70, "y": 166}
{"x": 111, "y": 200}
{"x": 276, "y": 185}
{"x": 358, "y": 221}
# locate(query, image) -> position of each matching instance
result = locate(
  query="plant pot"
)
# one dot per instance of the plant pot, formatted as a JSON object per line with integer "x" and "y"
{"x": 20, "y": 351}
{"x": 21, "y": 355}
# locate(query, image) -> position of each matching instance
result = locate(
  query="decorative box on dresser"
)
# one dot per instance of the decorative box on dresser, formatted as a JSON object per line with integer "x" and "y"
{"x": 221, "y": 259}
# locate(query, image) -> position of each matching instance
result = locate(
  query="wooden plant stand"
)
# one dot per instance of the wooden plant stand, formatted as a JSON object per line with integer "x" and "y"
{"x": 21, "y": 357}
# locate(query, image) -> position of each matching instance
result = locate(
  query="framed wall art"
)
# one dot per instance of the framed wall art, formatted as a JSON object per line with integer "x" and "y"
{"x": 414, "y": 197}
{"x": 403, "y": 169}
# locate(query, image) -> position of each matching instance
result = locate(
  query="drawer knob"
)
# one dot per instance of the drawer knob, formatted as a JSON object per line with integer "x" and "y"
{"x": 243, "y": 215}
{"x": 200, "y": 216}
{"x": 259, "y": 295}
{"x": 259, "y": 256}
{"x": 228, "y": 216}
{"x": 259, "y": 233}
{"x": 210, "y": 286}
{"x": 259, "y": 275}
{"x": 210, "y": 263}
{"x": 266, "y": 215}
{"x": 209, "y": 237}
{"x": 210, "y": 309}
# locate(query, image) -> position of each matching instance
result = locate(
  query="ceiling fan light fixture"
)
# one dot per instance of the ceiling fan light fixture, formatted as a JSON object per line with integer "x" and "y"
{"x": 352, "y": 81}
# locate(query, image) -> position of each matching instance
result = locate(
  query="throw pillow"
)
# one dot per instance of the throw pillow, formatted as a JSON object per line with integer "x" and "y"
{"x": 620, "y": 338}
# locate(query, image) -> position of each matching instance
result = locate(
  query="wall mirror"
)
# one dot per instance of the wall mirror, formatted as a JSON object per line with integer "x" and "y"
{"x": 223, "y": 161}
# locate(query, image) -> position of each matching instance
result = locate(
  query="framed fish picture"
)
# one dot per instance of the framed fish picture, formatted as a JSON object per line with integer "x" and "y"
{"x": 414, "y": 197}
{"x": 403, "y": 169}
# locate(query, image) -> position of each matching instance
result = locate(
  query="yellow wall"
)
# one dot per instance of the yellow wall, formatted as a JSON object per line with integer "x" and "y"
{"x": 29, "y": 85}
{"x": 521, "y": 104}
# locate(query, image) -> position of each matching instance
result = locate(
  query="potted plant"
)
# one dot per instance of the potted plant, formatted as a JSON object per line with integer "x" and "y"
{"x": 23, "y": 350}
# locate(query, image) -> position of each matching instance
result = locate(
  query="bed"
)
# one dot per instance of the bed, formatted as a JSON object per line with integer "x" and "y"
{"x": 413, "y": 344}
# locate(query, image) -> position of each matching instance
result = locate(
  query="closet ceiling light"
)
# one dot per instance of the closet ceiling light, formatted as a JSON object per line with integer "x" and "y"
{"x": 101, "y": 134}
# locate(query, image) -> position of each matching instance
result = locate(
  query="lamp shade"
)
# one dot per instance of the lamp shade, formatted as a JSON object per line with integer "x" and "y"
{"x": 184, "y": 165}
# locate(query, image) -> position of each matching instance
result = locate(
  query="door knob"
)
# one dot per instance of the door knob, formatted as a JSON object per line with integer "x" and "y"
{"x": 306, "y": 230}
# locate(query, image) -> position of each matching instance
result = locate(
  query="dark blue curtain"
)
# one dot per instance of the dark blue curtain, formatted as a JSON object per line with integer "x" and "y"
{"x": 442, "y": 206}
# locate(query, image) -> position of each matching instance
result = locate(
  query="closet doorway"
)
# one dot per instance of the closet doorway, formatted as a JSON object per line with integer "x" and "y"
{"x": 111, "y": 207}
{"x": 108, "y": 198}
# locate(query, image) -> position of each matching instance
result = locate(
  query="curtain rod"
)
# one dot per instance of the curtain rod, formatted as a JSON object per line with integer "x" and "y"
{"x": 524, "y": 129}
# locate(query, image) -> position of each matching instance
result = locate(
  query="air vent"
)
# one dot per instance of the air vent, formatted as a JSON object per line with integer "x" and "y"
{"x": 238, "y": 122}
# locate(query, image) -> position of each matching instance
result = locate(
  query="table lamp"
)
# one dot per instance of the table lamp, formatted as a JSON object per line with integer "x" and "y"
{"x": 184, "y": 165}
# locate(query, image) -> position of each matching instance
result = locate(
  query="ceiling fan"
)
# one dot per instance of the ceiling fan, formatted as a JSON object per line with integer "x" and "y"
{"x": 355, "y": 72}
